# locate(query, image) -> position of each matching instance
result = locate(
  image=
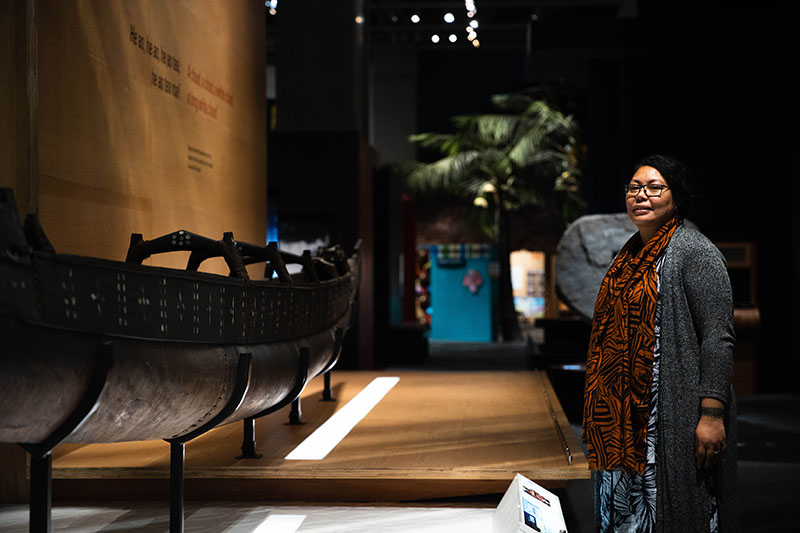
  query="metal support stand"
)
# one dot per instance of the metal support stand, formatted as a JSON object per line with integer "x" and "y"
{"x": 296, "y": 413}
{"x": 327, "y": 395}
{"x": 41, "y": 487}
{"x": 249, "y": 440}
{"x": 178, "y": 445}
{"x": 338, "y": 340}
{"x": 177, "y": 451}
{"x": 41, "y": 493}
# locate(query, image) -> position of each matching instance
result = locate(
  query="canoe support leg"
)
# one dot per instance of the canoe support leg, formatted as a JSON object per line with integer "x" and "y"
{"x": 177, "y": 451}
{"x": 296, "y": 413}
{"x": 301, "y": 377}
{"x": 249, "y": 440}
{"x": 41, "y": 492}
{"x": 178, "y": 444}
{"x": 41, "y": 484}
{"x": 327, "y": 393}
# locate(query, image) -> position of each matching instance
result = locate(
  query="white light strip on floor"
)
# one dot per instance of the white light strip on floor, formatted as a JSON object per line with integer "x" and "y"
{"x": 320, "y": 443}
{"x": 280, "y": 523}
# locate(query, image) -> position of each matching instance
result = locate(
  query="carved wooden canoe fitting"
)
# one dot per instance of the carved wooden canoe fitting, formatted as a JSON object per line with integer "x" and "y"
{"x": 106, "y": 351}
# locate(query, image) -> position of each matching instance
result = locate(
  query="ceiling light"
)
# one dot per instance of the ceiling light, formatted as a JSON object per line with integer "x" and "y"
{"x": 453, "y": 38}
{"x": 435, "y": 38}
{"x": 473, "y": 23}
{"x": 415, "y": 18}
{"x": 449, "y": 18}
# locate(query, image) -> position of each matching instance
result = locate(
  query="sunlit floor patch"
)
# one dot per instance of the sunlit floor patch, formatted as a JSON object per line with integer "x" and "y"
{"x": 320, "y": 443}
{"x": 240, "y": 517}
{"x": 281, "y": 523}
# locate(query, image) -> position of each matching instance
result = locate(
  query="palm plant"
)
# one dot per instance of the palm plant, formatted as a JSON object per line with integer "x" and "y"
{"x": 524, "y": 156}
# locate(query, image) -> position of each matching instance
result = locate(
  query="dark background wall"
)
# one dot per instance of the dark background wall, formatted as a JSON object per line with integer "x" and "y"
{"x": 706, "y": 82}
{"x": 713, "y": 90}
{"x": 454, "y": 83}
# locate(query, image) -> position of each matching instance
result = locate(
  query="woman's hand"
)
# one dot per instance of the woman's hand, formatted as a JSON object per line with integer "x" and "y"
{"x": 710, "y": 435}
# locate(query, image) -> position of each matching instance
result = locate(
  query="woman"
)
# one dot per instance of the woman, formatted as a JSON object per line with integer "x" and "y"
{"x": 659, "y": 409}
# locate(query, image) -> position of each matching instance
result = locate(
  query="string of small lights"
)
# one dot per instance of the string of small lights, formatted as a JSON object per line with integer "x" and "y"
{"x": 471, "y": 26}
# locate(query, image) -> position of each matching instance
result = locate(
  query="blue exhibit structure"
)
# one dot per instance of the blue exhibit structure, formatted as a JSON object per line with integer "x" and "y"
{"x": 463, "y": 289}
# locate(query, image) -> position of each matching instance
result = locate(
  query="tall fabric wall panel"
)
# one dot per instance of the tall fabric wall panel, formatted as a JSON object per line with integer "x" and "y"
{"x": 151, "y": 118}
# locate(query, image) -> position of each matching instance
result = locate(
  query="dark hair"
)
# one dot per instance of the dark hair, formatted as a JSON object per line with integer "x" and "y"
{"x": 677, "y": 177}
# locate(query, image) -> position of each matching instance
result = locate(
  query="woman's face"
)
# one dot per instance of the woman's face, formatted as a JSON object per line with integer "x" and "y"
{"x": 649, "y": 213}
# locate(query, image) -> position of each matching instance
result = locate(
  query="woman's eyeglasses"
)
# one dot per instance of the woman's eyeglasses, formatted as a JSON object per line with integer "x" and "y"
{"x": 651, "y": 190}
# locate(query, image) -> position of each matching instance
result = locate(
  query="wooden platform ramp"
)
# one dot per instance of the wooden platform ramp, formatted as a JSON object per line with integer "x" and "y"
{"x": 433, "y": 435}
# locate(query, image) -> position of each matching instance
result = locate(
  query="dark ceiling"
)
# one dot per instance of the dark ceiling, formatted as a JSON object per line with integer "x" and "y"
{"x": 515, "y": 24}
{"x": 502, "y": 23}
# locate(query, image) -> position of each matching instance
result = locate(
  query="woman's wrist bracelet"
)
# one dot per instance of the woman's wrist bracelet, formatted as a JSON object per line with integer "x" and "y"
{"x": 713, "y": 412}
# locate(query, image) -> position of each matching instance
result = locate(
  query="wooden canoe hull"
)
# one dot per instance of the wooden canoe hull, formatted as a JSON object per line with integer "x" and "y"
{"x": 93, "y": 350}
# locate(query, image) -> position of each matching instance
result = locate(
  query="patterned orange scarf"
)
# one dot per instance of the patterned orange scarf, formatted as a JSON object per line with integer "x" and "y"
{"x": 619, "y": 365}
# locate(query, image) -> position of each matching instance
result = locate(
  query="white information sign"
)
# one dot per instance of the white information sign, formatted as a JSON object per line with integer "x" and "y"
{"x": 528, "y": 507}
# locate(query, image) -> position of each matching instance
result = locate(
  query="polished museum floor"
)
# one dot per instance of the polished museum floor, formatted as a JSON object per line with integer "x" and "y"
{"x": 248, "y": 518}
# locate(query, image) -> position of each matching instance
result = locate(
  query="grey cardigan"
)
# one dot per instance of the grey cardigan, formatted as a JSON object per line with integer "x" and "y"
{"x": 697, "y": 341}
